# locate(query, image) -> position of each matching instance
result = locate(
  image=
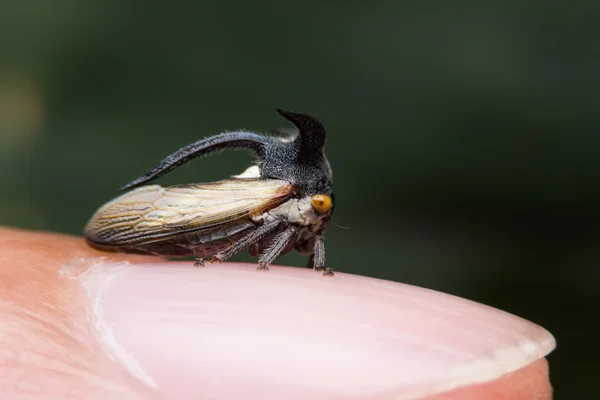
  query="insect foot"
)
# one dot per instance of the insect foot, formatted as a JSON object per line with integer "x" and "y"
{"x": 199, "y": 262}
{"x": 262, "y": 267}
{"x": 326, "y": 271}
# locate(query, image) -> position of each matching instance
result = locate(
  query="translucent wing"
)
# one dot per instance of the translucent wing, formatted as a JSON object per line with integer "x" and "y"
{"x": 155, "y": 213}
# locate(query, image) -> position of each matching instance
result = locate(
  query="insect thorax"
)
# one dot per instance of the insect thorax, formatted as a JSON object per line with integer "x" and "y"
{"x": 298, "y": 212}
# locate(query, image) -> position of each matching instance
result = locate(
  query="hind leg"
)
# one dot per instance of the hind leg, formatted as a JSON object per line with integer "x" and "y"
{"x": 251, "y": 238}
{"x": 280, "y": 243}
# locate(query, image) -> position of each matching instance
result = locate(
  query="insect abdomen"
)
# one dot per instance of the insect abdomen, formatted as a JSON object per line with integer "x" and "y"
{"x": 175, "y": 247}
{"x": 214, "y": 234}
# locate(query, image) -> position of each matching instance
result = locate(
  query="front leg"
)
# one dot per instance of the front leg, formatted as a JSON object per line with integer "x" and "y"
{"x": 318, "y": 257}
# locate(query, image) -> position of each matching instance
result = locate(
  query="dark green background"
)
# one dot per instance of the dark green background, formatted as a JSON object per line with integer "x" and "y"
{"x": 464, "y": 138}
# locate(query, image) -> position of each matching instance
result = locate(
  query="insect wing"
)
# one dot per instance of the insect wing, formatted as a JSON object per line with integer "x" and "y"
{"x": 154, "y": 213}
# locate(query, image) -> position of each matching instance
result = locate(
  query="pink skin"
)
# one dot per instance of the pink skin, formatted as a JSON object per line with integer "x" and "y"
{"x": 78, "y": 323}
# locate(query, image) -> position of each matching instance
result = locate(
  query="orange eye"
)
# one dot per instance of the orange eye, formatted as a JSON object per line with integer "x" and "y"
{"x": 322, "y": 203}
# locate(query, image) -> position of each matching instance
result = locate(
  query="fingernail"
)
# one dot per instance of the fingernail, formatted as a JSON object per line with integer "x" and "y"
{"x": 225, "y": 331}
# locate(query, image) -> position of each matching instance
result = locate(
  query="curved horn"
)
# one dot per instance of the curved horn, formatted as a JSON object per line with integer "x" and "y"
{"x": 228, "y": 140}
{"x": 311, "y": 133}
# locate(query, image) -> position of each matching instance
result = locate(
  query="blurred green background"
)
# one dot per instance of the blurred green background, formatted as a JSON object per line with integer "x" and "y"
{"x": 464, "y": 138}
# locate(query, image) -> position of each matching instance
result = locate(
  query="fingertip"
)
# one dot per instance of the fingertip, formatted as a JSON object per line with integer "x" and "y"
{"x": 530, "y": 382}
{"x": 228, "y": 331}
{"x": 49, "y": 350}
{"x": 290, "y": 330}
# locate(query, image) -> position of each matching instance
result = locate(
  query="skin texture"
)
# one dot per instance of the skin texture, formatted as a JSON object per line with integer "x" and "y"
{"x": 79, "y": 323}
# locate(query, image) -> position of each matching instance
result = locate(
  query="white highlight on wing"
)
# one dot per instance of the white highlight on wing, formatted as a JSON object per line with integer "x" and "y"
{"x": 252, "y": 172}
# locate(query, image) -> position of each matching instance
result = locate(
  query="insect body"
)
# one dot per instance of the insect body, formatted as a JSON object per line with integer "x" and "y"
{"x": 283, "y": 202}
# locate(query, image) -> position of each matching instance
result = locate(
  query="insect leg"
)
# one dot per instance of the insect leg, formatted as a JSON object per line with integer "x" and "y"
{"x": 318, "y": 257}
{"x": 198, "y": 262}
{"x": 275, "y": 249}
{"x": 247, "y": 240}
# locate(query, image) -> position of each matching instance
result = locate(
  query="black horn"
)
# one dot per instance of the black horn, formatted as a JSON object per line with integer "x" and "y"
{"x": 228, "y": 140}
{"x": 311, "y": 134}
